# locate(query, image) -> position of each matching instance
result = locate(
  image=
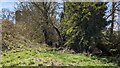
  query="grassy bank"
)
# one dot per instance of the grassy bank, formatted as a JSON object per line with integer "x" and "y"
{"x": 40, "y": 57}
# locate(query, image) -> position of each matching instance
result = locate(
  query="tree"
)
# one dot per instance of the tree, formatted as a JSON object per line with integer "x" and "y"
{"x": 42, "y": 17}
{"x": 113, "y": 17}
{"x": 7, "y": 14}
{"x": 82, "y": 24}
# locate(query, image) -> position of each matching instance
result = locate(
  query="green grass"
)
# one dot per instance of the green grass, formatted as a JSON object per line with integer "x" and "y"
{"x": 36, "y": 57}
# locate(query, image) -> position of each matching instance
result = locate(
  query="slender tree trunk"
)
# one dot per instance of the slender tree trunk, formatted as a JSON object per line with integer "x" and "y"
{"x": 45, "y": 35}
{"x": 113, "y": 17}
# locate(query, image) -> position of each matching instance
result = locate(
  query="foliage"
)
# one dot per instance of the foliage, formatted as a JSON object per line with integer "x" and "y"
{"x": 83, "y": 24}
{"x": 8, "y": 34}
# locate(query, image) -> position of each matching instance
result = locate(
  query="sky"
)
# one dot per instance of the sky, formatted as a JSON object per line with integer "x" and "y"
{"x": 8, "y": 5}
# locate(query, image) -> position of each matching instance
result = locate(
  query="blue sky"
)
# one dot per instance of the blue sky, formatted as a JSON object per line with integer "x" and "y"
{"x": 8, "y": 5}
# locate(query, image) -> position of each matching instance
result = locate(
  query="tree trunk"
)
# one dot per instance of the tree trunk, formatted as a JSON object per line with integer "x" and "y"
{"x": 113, "y": 17}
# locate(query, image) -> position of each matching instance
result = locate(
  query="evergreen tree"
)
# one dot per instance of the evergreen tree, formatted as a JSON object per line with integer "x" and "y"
{"x": 82, "y": 24}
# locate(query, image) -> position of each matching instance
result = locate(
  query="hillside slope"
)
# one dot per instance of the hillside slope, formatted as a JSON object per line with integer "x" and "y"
{"x": 40, "y": 57}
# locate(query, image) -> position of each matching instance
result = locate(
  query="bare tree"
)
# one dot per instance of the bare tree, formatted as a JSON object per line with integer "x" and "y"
{"x": 43, "y": 16}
